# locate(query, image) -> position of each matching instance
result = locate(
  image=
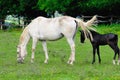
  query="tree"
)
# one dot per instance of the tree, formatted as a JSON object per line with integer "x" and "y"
{"x": 27, "y": 8}
{"x": 77, "y": 7}
{"x": 50, "y": 6}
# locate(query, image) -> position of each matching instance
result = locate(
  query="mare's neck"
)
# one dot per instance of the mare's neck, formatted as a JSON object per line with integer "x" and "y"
{"x": 24, "y": 38}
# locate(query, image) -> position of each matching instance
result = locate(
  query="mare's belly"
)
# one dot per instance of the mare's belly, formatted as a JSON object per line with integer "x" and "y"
{"x": 50, "y": 36}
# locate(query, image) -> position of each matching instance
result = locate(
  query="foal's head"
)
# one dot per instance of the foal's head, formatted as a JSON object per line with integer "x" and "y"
{"x": 82, "y": 36}
{"x": 21, "y": 52}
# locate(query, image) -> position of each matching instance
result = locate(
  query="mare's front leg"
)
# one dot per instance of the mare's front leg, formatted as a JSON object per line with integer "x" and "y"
{"x": 45, "y": 50}
{"x": 33, "y": 48}
{"x": 72, "y": 46}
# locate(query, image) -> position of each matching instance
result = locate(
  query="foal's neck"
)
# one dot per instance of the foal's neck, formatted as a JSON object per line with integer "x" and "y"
{"x": 93, "y": 34}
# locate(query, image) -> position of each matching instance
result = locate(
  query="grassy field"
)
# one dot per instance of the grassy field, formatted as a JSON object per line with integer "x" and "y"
{"x": 57, "y": 68}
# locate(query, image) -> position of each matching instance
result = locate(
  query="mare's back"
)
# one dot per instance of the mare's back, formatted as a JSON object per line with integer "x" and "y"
{"x": 52, "y": 28}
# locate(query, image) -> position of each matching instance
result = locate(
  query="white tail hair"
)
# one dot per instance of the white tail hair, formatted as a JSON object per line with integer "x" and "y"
{"x": 86, "y": 26}
{"x": 91, "y": 22}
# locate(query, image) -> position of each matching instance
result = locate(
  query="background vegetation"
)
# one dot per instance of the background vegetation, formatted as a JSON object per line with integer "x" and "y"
{"x": 33, "y": 8}
{"x": 57, "y": 68}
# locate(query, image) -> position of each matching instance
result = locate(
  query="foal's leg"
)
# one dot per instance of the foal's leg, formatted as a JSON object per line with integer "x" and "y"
{"x": 98, "y": 53}
{"x": 114, "y": 58}
{"x": 45, "y": 50}
{"x": 72, "y": 46}
{"x": 94, "y": 51}
{"x": 33, "y": 48}
{"x": 116, "y": 50}
{"x": 118, "y": 57}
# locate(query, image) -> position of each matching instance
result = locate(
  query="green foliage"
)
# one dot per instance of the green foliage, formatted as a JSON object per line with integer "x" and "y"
{"x": 34, "y": 8}
{"x": 102, "y": 7}
{"x": 80, "y": 6}
{"x": 52, "y": 5}
{"x": 17, "y": 7}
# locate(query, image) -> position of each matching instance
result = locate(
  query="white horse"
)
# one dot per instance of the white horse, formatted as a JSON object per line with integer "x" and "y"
{"x": 44, "y": 29}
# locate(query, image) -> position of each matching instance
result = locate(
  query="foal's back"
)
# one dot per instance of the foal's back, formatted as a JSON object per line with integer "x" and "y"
{"x": 104, "y": 39}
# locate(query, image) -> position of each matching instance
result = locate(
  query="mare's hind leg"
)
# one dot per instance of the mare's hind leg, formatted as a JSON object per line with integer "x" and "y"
{"x": 72, "y": 46}
{"x": 33, "y": 48}
{"x": 45, "y": 50}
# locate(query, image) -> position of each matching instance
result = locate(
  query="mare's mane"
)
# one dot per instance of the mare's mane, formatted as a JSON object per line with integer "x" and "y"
{"x": 24, "y": 33}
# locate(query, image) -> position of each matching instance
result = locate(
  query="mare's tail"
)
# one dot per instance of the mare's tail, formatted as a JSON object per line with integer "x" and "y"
{"x": 86, "y": 26}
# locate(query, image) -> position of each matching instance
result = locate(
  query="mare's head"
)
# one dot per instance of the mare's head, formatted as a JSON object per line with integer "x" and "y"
{"x": 21, "y": 52}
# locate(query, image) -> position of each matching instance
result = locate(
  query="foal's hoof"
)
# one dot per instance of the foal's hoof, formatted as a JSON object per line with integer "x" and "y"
{"x": 118, "y": 62}
{"x": 114, "y": 62}
{"x": 45, "y": 62}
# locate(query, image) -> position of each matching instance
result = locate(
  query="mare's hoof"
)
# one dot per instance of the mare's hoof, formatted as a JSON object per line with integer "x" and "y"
{"x": 21, "y": 62}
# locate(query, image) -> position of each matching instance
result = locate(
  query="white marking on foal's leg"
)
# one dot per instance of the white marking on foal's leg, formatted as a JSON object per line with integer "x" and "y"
{"x": 118, "y": 62}
{"x": 45, "y": 50}
{"x": 114, "y": 62}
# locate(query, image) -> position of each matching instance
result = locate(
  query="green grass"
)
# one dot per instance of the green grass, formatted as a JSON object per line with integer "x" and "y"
{"x": 57, "y": 67}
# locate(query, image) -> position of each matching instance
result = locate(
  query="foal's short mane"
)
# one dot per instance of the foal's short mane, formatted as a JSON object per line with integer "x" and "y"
{"x": 93, "y": 32}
